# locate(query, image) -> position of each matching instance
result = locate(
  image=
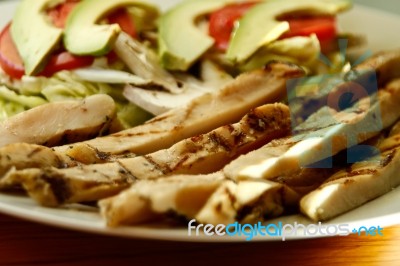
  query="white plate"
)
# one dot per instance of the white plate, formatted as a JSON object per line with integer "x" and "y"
{"x": 382, "y": 31}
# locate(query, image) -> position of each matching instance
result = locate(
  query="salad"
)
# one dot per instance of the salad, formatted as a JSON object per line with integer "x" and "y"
{"x": 57, "y": 79}
{"x": 164, "y": 67}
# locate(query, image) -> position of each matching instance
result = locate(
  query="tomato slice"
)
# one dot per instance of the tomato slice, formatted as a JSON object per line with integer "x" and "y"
{"x": 124, "y": 20}
{"x": 223, "y": 20}
{"x": 12, "y": 64}
{"x": 323, "y": 27}
{"x": 59, "y": 13}
{"x": 65, "y": 61}
{"x": 10, "y": 61}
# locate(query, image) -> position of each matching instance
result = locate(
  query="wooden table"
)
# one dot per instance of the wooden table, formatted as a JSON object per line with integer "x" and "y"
{"x": 26, "y": 243}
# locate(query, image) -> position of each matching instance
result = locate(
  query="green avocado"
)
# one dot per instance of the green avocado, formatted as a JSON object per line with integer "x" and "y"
{"x": 181, "y": 42}
{"x": 83, "y": 36}
{"x": 34, "y": 36}
{"x": 260, "y": 26}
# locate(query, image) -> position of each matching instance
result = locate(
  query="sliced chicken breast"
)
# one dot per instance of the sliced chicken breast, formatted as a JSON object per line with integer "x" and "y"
{"x": 355, "y": 185}
{"x": 314, "y": 143}
{"x": 59, "y": 122}
{"x": 208, "y": 199}
{"x": 202, "y": 115}
{"x": 201, "y": 154}
{"x": 149, "y": 200}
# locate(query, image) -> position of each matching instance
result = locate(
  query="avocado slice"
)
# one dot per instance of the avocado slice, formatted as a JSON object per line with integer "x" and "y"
{"x": 180, "y": 41}
{"x": 260, "y": 25}
{"x": 84, "y": 37}
{"x": 34, "y": 36}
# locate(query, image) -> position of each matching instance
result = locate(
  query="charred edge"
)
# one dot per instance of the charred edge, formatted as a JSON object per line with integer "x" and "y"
{"x": 163, "y": 169}
{"x": 180, "y": 163}
{"x": 197, "y": 138}
{"x": 360, "y": 172}
{"x": 104, "y": 156}
{"x": 174, "y": 218}
{"x": 389, "y": 158}
{"x": 59, "y": 186}
{"x": 60, "y": 163}
{"x": 230, "y": 128}
{"x": 238, "y": 138}
{"x": 158, "y": 119}
{"x": 256, "y": 122}
{"x": 243, "y": 213}
{"x": 220, "y": 141}
{"x": 129, "y": 135}
{"x": 126, "y": 172}
{"x": 34, "y": 152}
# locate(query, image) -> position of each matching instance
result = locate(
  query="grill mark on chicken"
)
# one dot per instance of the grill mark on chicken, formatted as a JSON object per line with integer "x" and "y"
{"x": 124, "y": 171}
{"x": 388, "y": 158}
{"x": 158, "y": 119}
{"x": 208, "y": 153}
{"x": 204, "y": 114}
{"x": 34, "y": 152}
{"x": 162, "y": 168}
{"x": 59, "y": 186}
{"x": 126, "y": 134}
{"x": 219, "y": 141}
{"x": 368, "y": 171}
{"x": 104, "y": 156}
{"x": 357, "y": 184}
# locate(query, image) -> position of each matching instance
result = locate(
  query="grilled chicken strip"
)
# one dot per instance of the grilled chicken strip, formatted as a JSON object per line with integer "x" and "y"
{"x": 147, "y": 200}
{"x": 60, "y": 123}
{"x": 38, "y": 157}
{"x": 203, "y": 114}
{"x": 208, "y": 199}
{"x": 201, "y": 154}
{"x": 385, "y": 64}
{"x": 247, "y": 202}
{"x": 45, "y": 186}
{"x": 356, "y": 185}
{"x": 314, "y": 143}
{"x": 380, "y": 68}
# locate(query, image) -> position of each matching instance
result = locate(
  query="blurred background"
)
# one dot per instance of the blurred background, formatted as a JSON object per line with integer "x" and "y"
{"x": 388, "y": 5}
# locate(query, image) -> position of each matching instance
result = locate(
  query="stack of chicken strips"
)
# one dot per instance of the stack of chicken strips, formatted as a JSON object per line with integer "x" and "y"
{"x": 238, "y": 154}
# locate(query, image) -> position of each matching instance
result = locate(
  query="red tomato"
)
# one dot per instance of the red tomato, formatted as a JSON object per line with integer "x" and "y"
{"x": 223, "y": 20}
{"x": 124, "y": 20}
{"x": 65, "y": 61}
{"x": 12, "y": 64}
{"x": 323, "y": 27}
{"x": 59, "y": 14}
{"x": 10, "y": 61}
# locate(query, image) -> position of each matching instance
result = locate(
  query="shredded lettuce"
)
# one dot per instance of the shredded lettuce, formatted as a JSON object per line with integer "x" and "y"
{"x": 12, "y": 103}
{"x": 65, "y": 85}
{"x": 130, "y": 115}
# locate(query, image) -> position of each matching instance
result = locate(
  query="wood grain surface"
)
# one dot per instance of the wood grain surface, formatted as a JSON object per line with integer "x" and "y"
{"x": 26, "y": 243}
